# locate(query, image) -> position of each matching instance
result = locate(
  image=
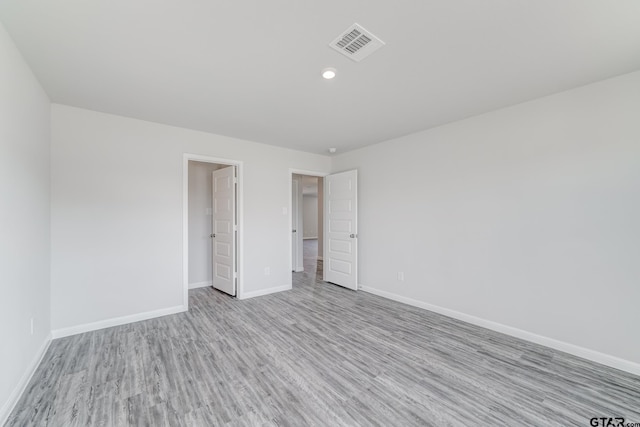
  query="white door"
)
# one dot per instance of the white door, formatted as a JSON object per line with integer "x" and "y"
{"x": 341, "y": 229}
{"x": 297, "y": 262}
{"x": 224, "y": 230}
{"x": 294, "y": 224}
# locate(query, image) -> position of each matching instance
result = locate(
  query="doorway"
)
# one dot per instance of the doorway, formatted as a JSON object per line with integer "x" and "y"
{"x": 212, "y": 212}
{"x": 337, "y": 249}
{"x": 307, "y": 211}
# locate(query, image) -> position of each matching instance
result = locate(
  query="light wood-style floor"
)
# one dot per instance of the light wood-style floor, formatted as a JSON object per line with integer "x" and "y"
{"x": 317, "y": 355}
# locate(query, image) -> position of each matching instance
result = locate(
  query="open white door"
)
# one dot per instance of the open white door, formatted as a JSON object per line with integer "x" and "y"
{"x": 294, "y": 225}
{"x": 224, "y": 230}
{"x": 341, "y": 229}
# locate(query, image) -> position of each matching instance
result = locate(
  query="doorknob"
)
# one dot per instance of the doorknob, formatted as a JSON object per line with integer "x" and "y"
{"x": 295, "y": 231}
{"x": 353, "y": 236}
{"x": 212, "y": 235}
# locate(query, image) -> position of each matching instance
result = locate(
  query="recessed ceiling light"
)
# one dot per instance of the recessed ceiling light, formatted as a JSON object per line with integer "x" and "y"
{"x": 329, "y": 73}
{"x": 332, "y": 150}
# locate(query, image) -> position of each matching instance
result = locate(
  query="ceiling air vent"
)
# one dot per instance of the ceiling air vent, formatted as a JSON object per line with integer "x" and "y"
{"x": 356, "y": 43}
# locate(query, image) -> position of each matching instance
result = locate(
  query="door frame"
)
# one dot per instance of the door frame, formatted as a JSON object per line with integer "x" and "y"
{"x": 186, "y": 157}
{"x": 291, "y": 173}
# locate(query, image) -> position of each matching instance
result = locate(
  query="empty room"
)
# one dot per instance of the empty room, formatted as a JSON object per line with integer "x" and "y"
{"x": 338, "y": 213}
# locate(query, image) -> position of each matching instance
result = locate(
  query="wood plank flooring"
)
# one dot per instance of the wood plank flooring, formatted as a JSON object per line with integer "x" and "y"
{"x": 317, "y": 355}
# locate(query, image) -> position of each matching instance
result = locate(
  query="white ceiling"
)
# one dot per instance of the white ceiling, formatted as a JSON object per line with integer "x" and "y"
{"x": 251, "y": 68}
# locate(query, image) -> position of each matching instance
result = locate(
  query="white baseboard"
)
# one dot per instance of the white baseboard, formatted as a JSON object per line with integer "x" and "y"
{"x": 310, "y": 238}
{"x": 320, "y": 258}
{"x": 262, "y": 292}
{"x": 585, "y": 353}
{"x": 199, "y": 285}
{"x": 117, "y": 321}
{"x": 15, "y": 395}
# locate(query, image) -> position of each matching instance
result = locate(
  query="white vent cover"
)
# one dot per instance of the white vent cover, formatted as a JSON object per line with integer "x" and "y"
{"x": 356, "y": 43}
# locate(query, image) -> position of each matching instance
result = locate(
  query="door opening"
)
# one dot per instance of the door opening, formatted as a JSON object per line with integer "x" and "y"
{"x": 212, "y": 224}
{"x": 307, "y": 237}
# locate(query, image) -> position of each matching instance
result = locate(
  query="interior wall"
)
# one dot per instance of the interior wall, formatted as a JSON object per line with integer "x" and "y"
{"x": 526, "y": 216}
{"x": 200, "y": 222}
{"x": 24, "y": 222}
{"x": 310, "y": 216}
{"x": 116, "y": 219}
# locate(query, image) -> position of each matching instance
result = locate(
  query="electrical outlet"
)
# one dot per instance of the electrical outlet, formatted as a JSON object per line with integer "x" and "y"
{"x": 267, "y": 271}
{"x": 401, "y": 276}
{"x": 32, "y": 326}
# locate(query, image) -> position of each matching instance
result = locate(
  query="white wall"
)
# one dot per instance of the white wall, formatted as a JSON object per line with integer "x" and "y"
{"x": 24, "y": 222}
{"x": 200, "y": 223}
{"x": 117, "y": 213}
{"x": 310, "y": 216}
{"x": 527, "y": 216}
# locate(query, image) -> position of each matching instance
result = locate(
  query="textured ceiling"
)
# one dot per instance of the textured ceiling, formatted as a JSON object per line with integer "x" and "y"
{"x": 251, "y": 69}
